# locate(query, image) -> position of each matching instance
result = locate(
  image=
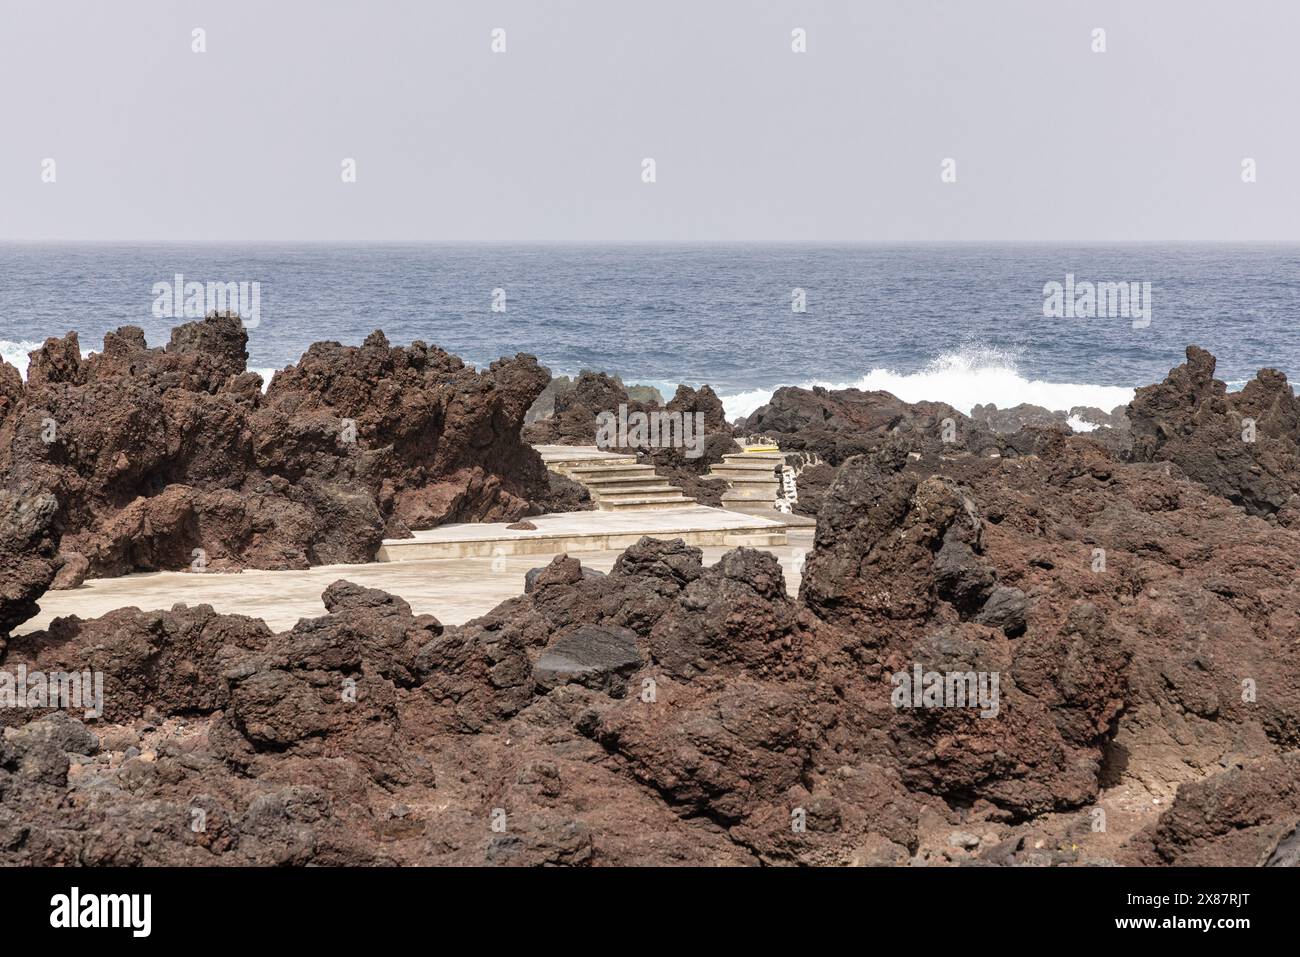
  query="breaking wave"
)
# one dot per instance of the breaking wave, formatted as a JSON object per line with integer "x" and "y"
{"x": 962, "y": 379}
{"x": 15, "y": 353}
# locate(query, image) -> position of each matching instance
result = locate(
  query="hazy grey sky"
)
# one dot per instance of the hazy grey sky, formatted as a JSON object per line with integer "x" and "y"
{"x": 751, "y": 141}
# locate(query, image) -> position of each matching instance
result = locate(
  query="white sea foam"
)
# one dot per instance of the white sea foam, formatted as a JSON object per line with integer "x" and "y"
{"x": 963, "y": 380}
{"x": 15, "y": 353}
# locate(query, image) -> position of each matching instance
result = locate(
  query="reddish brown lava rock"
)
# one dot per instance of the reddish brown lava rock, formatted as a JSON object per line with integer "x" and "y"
{"x": 1242, "y": 445}
{"x": 162, "y": 458}
{"x": 1144, "y": 631}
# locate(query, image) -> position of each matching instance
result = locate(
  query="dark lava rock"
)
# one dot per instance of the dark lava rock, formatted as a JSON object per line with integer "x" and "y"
{"x": 1005, "y": 609}
{"x": 1244, "y": 446}
{"x": 595, "y": 656}
{"x": 28, "y": 544}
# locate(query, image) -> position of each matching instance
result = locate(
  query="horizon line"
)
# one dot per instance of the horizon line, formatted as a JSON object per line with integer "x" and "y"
{"x": 646, "y": 242}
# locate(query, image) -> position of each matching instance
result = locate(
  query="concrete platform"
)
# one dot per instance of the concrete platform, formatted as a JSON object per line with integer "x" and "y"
{"x": 579, "y": 532}
{"x": 792, "y": 519}
{"x": 454, "y": 590}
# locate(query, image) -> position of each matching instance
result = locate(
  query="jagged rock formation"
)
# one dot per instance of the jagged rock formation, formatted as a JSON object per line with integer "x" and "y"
{"x": 689, "y": 473}
{"x": 576, "y": 409}
{"x": 812, "y": 484}
{"x": 1244, "y": 446}
{"x": 829, "y": 427}
{"x": 163, "y": 457}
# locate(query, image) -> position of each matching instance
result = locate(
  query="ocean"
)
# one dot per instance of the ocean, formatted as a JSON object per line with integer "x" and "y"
{"x": 960, "y": 323}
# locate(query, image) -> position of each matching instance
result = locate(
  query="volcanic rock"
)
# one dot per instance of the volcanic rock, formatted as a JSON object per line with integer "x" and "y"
{"x": 1244, "y": 446}
{"x": 1012, "y": 420}
{"x": 836, "y": 425}
{"x": 598, "y": 657}
{"x": 1246, "y": 816}
{"x": 575, "y": 416}
{"x": 560, "y": 569}
{"x": 27, "y": 555}
{"x": 172, "y": 458}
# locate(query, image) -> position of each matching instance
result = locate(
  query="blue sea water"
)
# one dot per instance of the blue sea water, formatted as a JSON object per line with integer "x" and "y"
{"x": 962, "y": 323}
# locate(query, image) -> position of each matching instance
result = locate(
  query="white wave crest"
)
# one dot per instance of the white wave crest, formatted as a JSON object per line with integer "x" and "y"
{"x": 15, "y": 353}
{"x": 963, "y": 380}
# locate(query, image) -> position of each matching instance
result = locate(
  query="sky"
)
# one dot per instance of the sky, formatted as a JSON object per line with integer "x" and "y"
{"x": 246, "y": 141}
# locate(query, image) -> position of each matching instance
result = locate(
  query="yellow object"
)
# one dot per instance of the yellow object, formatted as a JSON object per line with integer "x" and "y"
{"x": 762, "y": 448}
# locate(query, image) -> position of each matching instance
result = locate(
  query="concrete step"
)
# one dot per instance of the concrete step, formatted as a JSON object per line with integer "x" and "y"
{"x": 615, "y": 482}
{"x": 610, "y": 508}
{"x": 576, "y": 454}
{"x": 622, "y": 492}
{"x": 643, "y": 502}
{"x": 749, "y": 494}
{"x": 763, "y": 509}
{"x": 759, "y": 541}
{"x": 744, "y": 476}
{"x": 788, "y": 519}
{"x": 748, "y": 464}
{"x": 586, "y": 461}
{"x": 583, "y": 472}
{"x": 622, "y": 478}
{"x": 615, "y": 492}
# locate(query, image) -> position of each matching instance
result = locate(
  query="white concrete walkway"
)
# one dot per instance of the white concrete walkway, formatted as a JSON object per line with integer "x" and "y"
{"x": 455, "y": 590}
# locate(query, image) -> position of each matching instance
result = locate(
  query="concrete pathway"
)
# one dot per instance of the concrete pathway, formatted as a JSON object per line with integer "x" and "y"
{"x": 454, "y": 589}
